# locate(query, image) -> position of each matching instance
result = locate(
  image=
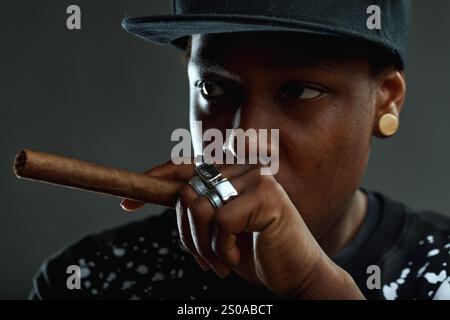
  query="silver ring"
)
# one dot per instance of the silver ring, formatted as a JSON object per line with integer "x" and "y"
{"x": 208, "y": 173}
{"x": 214, "y": 199}
{"x": 197, "y": 184}
{"x": 225, "y": 190}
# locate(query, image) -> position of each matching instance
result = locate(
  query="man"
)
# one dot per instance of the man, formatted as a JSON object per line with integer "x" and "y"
{"x": 319, "y": 73}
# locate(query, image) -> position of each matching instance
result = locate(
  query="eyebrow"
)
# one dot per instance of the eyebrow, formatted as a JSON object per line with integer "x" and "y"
{"x": 207, "y": 64}
{"x": 292, "y": 63}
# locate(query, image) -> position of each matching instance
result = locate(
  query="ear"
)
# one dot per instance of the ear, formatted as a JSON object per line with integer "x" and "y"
{"x": 390, "y": 97}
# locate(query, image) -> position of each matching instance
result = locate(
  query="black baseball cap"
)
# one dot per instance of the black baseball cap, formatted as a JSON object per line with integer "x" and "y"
{"x": 336, "y": 18}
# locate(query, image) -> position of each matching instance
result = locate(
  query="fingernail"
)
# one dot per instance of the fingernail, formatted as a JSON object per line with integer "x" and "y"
{"x": 122, "y": 205}
{"x": 131, "y": 205}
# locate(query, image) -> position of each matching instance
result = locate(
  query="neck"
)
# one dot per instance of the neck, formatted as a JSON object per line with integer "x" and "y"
{"x": 346, "y": 227}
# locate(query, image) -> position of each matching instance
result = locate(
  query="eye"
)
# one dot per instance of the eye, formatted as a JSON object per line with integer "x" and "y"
{"x": 294, "y": 90}
{"x": 210, "y": 89}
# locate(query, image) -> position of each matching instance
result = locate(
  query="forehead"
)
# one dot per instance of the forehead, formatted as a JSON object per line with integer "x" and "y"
{"x": 272, "y": 49}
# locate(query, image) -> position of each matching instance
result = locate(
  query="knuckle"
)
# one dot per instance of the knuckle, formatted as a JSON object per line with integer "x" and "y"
{"x": 199, "y": 205}
{"x": 255, "y": 174}
{"x": 195, "y": 206}
{"x": 271, "y": 193}
{"x": 268, "y": 185}
{"x": 185, "y": 196}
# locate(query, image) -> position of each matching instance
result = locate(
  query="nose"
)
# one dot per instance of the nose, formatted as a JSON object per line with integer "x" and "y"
{"x": 255, "y": 112}
{"x": 253, "y": 135}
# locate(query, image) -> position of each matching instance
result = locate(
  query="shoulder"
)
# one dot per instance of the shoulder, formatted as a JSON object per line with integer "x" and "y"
{"x": 412, "y": 224}
{"x": 417, "y": 264}
{"x": 110, "y": 261}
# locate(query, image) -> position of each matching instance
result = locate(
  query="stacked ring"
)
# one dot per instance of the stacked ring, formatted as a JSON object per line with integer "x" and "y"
{"x": 225, "y": 190}
{"x": 209, "y": 182}
{"x": 214, "y": 199}
{"x": 208, "y": 173}
{"x": 197, "y": 184}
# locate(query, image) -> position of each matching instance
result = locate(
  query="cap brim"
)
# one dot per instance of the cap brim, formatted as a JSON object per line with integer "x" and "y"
{"x": 173, "y": 29}
{"x": 166, "y": 30}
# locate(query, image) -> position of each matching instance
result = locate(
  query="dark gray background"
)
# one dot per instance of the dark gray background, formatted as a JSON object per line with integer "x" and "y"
{"x": 101, "y": 95}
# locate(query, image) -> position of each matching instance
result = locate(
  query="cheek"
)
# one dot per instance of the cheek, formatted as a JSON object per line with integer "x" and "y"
{"x": 322, "y": 164}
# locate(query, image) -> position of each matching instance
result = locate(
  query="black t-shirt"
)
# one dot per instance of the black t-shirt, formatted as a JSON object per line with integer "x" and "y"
{"x": 145, "y": 260}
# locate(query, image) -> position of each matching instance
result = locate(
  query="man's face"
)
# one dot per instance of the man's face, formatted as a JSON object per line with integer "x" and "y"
{"x": 317, "y": 93}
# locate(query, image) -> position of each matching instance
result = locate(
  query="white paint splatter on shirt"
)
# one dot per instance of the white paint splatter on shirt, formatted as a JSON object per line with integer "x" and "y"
{"x": 85, "y": 272}
{"x": 142, "y": 269}
{"x": 158, "y": 277}
{"x": 433, "y": 253}
{"x": 163, "y": 251}
{"x": 422, "y": 270}
{"x": 119, "y": 252}
{"x": 434, "y": 278}
{"x": 443, "y": 292}
{"x": 111, "y": 277}
{"x": 390, "y": 291}
{"x": 128, "y": 284}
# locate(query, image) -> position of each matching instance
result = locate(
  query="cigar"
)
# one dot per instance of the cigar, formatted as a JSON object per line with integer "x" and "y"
{"x": 73, "y": 173}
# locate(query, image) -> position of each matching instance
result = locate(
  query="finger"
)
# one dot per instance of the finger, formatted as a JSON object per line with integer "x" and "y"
{"x": 217, "y": 241}
{"x": 186, "y": 238}
{"x": 184, "y": 173}
{"x": 194, "y": 216}
{"x": 254, "y": 209}
{"x": 168, "y": 170}
{"x": 131, "y": 205}
{"x": 224, "y": 242}
{"x": 186, "y": 196}
{"x": 229, "y": 221}
{"x": 200, "y": 214}
{"x": 235, "y": 170}
{"x": 224, "y": 245}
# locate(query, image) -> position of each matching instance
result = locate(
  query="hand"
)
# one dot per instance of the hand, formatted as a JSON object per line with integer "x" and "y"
{"x": 259, "y": 234}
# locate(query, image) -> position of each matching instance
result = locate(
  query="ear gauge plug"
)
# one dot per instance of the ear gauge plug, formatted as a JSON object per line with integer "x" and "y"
{"x": 388, "y": 124}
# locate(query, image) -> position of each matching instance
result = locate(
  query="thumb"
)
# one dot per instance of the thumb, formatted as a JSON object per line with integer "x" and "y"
{"x": 169, "y": 170}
